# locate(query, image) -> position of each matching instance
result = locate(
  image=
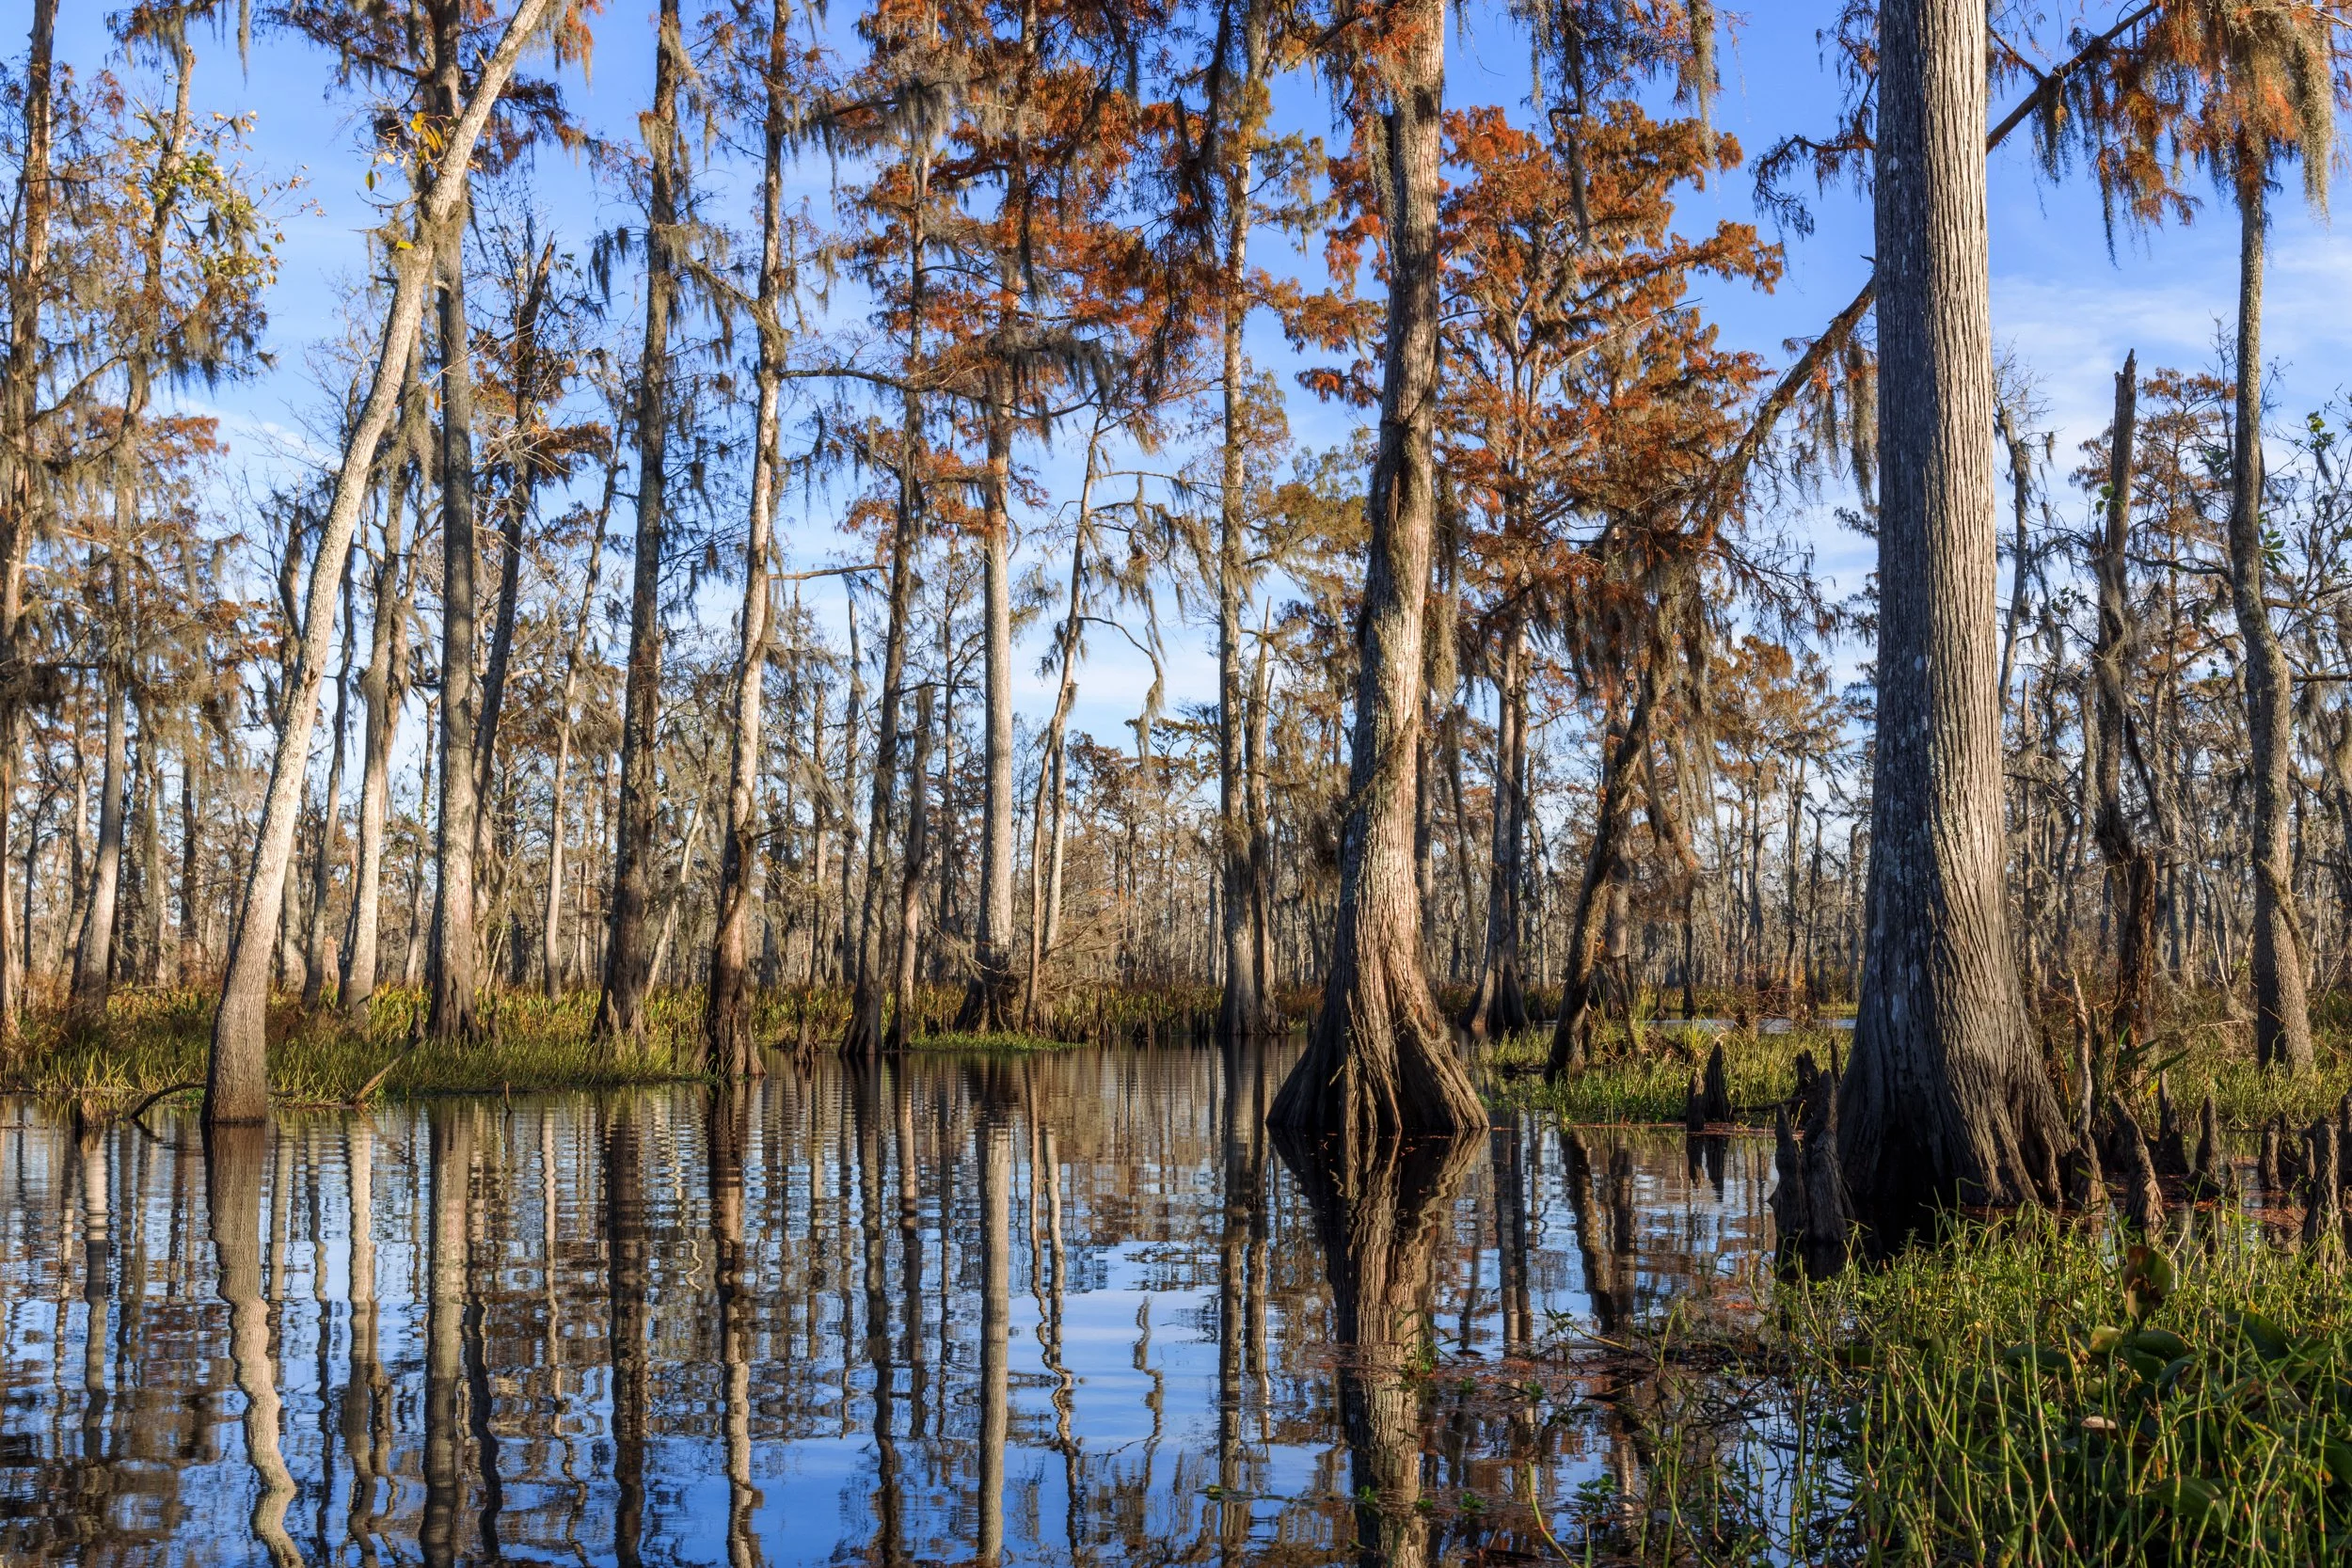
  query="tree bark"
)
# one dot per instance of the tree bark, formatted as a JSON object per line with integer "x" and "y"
{"x": 237, "y": 1087}
{"x": 449, "y": 961}
{"x": 1945, "y": 1099}
{"x": 727, "y": 1044}
{"x": 383, "y": 686}
{"x": 2282, "y": 1024}
{"x": 627, "y": 962}
{"x": 988, "y": 1002}
{"x": 1241, "y": 1009}
{"x": 1379, "y": 1063}
{"x": 19, "y": 463}
{"x": 93, "y": 953}
{"x": 1499, "y": 1004}
{"x": 911, "y": 876}
{"x": 2131, "y": 869}
{"x": 315, "y": 939}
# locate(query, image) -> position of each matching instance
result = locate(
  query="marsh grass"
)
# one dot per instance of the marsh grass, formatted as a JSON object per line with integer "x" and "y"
{"x": 2031, "y": 1392}
{"x": 157, "y": 1038}
{"x": 1648, "y": 1079}
{"x": 1644, "y": 1076}
{"x": 994, "y": 1045}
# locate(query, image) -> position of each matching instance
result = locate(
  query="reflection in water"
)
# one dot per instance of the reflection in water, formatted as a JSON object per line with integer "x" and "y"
{"x": 1070, "y": 1309}
{"x": 1381, "y": 1216}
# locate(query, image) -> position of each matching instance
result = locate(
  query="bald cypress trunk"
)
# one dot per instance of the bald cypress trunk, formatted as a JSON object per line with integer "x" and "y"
{"x": 1380, "y": 1062}
{"x": 627, "y": 957}
{"x": 449, "y": 960}
{"x": 727, "y": 1040}
{"x": 1945, "y": 1099}
{"x": 2131, "y": 869}
{"x": 19, "y": 493}
{"x": 2282, "y": 1024}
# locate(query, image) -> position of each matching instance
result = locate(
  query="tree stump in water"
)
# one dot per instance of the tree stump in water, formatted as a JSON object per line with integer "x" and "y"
{"x": 1716, "y": 1093}
{"x": 2322, "y": 1210}
{"x": 2170, "y": 1152}
{"x": 1809, "y": 1202}
{"x": 2270, "y": 1169}
{"x": 2211, "y": 1175}
{"x": 2143, "y": 1199}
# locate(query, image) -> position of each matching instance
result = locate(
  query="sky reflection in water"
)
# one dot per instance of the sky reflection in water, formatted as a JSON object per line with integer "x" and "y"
{"x": 1065, "y": 1310}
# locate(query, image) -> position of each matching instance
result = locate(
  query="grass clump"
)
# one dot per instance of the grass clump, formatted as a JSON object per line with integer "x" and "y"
{"x": 2030, "y": 1392}
{"x": 1648, "y": 1079}
{"x": 1004, "y": 1044}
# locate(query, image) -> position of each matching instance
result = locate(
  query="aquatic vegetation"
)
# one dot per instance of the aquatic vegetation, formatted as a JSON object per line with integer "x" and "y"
{"x": 2030, "y": 1391}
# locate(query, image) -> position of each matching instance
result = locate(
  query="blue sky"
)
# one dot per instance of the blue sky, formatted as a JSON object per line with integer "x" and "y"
{"x": 2062, "y": 304}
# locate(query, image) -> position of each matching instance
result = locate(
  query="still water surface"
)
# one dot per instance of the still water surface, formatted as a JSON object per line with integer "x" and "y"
{"x": 1068, "y": 1309}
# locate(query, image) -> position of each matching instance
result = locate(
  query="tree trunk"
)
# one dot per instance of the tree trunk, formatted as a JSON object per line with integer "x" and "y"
{"x": 93, "y": 953}
{"x": 627, "y": 964}
{"x": 237, "y": 1087}
{"x": 988, "y": 1002}
{"x": 1241, "y": 1009}
{"x": 19, "y": 477}
{"x": 449, "y": 961}
{"x": 865, "y": 1035}
{"x": 315, "y": 939}
{"x": 1379, "y": 1063}
{"x": 1627, "y": 740}
{"x": 727, "y": 1044}
{"x": 1499, "y": 1004}
{"x": 2131, "y": 869}
{"x": 911, "y": 876}
{"x": 1946, "y": 1097}
{"x": 552, "y": 924}
{"x": 1047, "y": 817}
{"x": 2282, "y": 1024}
{"x": 383, "y": 686}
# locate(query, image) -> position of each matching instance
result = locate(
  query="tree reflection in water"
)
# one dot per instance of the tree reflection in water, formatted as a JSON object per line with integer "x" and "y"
{"x": 1067, "y": 1310}
{"x": 1381, "y": 1215}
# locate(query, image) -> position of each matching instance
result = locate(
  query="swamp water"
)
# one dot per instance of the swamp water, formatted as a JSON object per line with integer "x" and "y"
{"x": 1070, "y": 1309}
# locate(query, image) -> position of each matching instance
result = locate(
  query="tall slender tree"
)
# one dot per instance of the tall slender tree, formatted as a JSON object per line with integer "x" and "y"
{"x": 237, "y": 1083}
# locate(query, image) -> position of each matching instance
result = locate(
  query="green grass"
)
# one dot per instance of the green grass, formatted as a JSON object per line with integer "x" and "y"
{"x": 156, "y": 1038}
{"x": 2030, "y": 1393}
{"x": 1006, "y": 1044}
{"x": 1649, "y": 1080}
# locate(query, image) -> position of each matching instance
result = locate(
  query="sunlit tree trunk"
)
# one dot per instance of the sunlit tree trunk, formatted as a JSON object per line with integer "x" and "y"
{"x": 1241, "y": 1009}
{"x": 382, "y": 686}
{"x": 449, "y": 961}
{"x": 2282, "y": 1023}
{"x": 1380, "y": 1062}
{"x": 237, "y": 1087}
{"x": 627, "y": 961}
{"x": 727, "y": 1043}
{"x": 1944, "y": 1098}
{"x": 93, "y": 953}
{"x": 988, "y": 1003}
